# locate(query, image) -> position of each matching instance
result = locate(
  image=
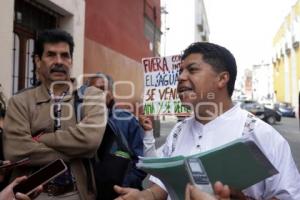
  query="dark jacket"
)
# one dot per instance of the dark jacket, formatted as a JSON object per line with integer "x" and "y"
{"x": 123, "y": 134}
{"x": 130, "y": 128}
{"x": 134, "y": 133}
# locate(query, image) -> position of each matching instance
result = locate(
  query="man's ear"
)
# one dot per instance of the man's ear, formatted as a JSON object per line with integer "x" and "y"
{"x": 110, "y": 95}
{"x": 37, "y": 61}
{"x": 223, "y": 79}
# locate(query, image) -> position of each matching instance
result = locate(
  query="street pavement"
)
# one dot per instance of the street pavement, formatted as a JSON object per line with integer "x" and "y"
{"x": 288, "y": 128}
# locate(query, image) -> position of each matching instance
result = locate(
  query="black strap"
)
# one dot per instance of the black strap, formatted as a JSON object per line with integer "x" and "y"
{"x": 86, "y": 162}
{"x": 77, "y": 102}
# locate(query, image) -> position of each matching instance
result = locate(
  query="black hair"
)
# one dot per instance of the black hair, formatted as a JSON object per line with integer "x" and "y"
{"x": 52, "y": 36}
{"x": 220, "y": 58}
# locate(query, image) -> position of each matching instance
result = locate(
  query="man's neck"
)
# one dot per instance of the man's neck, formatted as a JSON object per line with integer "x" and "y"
{"x": 58, "y": 89}
{"x": 205, "y": 114}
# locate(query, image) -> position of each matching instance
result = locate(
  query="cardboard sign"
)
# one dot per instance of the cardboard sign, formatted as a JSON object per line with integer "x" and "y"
{"x": 160, "y": 86}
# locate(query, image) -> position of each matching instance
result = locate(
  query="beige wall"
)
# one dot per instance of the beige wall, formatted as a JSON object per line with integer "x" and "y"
{"x": 73, "y": 12}
{"x": 98, "y": 58}
{"x": 6, "y": 43}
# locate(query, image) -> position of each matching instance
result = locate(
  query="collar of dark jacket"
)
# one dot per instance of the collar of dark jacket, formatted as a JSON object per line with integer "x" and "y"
{"x": 110, "y": 107}
{"x": 42, "y": 94}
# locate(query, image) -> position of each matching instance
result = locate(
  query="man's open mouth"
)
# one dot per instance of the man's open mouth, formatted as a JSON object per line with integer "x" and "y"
{"x": 182, "y": 89}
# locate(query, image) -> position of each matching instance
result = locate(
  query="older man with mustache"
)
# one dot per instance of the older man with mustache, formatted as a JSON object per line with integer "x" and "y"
{"x": 41, "y": 123}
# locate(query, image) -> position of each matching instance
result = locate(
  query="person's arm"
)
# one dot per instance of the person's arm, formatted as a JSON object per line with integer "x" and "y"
{"x": 17, "y": 139}
{"x": 284, "y": 185}
{"x": 85, "y": 137}
{"x": 149, "y": 144}
{"x": 148, "y": 140}
{"x": 152, "y": 193}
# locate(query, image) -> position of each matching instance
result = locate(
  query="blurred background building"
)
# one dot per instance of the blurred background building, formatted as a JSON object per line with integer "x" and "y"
{"x": 248, "y": 87}
{"x": 262, "y": 83}
{"x": 286, "y": 58}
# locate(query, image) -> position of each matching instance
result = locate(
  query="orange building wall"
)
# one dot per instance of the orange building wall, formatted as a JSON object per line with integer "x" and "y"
{"x": 115, "y": 41}
{"x": 98, "y": 58}
{"x": 119, "y": 25}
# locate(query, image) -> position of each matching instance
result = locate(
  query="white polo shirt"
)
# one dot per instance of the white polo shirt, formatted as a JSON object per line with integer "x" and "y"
{"x": 195, "y": 137}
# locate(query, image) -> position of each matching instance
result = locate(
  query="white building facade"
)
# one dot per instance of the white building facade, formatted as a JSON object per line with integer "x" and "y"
{"x": 183, "y": 22}
{"x": 262, "y": 83}
{"x": 20, "y": 22}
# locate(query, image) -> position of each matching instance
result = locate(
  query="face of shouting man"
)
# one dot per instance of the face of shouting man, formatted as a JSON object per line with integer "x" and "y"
{"x": 201, "y": 87}
{"x": 196, "y": 80}
{"x": 55, "y": 63}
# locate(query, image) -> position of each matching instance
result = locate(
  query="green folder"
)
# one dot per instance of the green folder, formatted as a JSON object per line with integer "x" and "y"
{"x": 238, "y": 164}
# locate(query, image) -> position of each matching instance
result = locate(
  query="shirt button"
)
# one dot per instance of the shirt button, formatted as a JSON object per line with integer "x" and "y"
{"x": 198, "y": 146}
{"x": 200, "y": 136}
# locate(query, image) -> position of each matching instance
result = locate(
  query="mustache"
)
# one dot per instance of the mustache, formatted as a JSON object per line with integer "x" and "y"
{"x": 58, "y": 68}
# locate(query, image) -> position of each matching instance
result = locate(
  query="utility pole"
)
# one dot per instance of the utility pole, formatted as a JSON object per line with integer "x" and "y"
{"x": 164, "y": 12}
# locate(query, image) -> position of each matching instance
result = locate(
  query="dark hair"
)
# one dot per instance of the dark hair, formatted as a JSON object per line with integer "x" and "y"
{"x": 220, "y": 58}
{"x": 52, "y": 36}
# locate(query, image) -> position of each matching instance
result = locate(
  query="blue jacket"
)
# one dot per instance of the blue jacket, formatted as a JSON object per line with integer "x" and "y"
{"x": 134, "y": 134}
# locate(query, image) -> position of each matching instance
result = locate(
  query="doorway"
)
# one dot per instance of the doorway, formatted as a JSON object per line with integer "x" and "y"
{"x": 30, "y": 17}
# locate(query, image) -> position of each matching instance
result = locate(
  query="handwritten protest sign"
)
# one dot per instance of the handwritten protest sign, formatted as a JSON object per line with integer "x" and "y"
{"x": 160, "y": 81}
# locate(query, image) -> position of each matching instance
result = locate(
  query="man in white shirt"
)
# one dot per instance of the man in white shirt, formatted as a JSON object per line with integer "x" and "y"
{"x": 205, "y": 83}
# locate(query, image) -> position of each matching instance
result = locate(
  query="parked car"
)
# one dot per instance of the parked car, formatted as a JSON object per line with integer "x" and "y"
{"x": 286, "y": 109}
{"x": 270, "y": 116}
{"x": 268, "y": 104}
